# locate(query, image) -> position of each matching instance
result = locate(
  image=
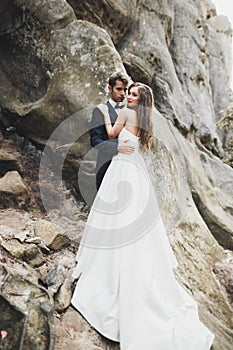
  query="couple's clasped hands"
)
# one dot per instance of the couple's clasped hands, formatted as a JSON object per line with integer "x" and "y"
{"x": 123, "y": 148}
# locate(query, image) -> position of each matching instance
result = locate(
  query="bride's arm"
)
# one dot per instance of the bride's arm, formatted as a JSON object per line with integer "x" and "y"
{"x": 113, "y": 131}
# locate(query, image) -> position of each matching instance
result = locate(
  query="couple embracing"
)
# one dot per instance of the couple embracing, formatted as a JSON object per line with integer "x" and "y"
{"x": 107, "y": 148}
{"x": 126, "y": 287}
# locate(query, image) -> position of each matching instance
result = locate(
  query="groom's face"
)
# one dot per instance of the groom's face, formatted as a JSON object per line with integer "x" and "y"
{"x": 118, "y": 91}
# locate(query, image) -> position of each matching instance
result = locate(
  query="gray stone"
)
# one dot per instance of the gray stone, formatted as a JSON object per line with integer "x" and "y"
{"x": 21, "y": 236}
{"x": 8, "y": 162}
{"x": 29, "y": 253}
{"x": 73, "y": 332}
{"x": 57, "y": 14}
{"x": 63, "y": 296}
{"x": 115, "y": 17}
{"x": 22, "y": 316}
{"x": 13, "y": 192}
{"x": 52, "y": 235}
{"x": 68, "y": 261}
{"x": 55, "y": 278}
{"x": 218, "y": 49}
{"x": 224, "y": 272}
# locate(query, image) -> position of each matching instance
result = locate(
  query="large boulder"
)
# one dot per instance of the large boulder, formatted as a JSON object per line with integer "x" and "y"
{"x": 60, "y": 65}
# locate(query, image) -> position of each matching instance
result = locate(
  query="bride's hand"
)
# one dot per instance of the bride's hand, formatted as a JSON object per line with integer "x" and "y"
{"x": 103, "y": 108}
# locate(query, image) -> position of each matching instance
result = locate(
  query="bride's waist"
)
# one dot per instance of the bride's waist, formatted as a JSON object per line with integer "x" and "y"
{"x": 135, "y": 154}
{"x": 133, "y": 144}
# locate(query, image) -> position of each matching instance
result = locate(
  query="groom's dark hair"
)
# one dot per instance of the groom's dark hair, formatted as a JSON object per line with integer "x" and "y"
{"x": 118, "y": 76}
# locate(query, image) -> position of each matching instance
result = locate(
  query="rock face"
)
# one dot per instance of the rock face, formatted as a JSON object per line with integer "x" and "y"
{"x": 115, "y": 17}
{"x": 66, "y": 66}
{"x": 55, "y": 58}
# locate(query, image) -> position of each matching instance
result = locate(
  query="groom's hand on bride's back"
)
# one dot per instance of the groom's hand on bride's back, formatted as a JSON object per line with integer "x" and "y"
{"x": 124, "y": 148}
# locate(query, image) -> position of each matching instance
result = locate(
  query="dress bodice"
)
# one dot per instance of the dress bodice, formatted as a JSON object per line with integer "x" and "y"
{"x": 127, "y": 135}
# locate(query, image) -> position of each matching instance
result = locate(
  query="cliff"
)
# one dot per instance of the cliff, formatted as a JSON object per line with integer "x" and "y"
{"x": 55, "y": 58}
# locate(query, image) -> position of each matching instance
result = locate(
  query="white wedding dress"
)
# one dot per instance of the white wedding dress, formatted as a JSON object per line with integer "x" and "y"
{"x": 126, "y": 287}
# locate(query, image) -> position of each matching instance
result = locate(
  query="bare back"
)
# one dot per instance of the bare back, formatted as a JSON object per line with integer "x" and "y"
{"x": 131, "y": 123}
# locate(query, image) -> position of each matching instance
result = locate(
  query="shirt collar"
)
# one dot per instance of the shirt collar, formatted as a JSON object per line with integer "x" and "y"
{"x": 113, "y": 103}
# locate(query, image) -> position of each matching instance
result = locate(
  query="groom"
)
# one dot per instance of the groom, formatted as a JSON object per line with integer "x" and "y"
{"x": 117, "y": 87}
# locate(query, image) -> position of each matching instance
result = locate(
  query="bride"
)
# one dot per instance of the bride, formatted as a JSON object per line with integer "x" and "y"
{"x": 126, "y": 287}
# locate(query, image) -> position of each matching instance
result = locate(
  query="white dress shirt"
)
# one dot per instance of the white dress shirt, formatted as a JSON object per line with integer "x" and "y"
{"x": 113, "y": 104}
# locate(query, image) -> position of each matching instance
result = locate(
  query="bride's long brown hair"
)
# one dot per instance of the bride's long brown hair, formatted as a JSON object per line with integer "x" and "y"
{"x": 144, "y": 114}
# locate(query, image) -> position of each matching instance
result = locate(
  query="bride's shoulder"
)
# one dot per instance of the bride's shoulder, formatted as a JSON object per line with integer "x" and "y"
{"x": 127, "y": 111}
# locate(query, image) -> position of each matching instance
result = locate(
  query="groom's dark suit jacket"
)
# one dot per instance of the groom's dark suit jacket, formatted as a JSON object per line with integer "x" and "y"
{"x": 99, "y": 139}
